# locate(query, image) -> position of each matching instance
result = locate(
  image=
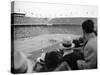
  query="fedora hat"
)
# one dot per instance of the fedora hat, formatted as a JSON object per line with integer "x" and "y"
{"x": 67, "y": 45}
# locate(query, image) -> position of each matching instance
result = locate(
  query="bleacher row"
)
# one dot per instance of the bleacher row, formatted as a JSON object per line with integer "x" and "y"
{"x": 19, "y": 20}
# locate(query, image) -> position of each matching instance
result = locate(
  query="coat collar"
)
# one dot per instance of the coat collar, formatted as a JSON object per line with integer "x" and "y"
{"x": 89, "y": 36}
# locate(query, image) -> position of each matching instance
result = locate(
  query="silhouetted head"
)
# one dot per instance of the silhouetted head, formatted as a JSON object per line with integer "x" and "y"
{"x": 88, "y": 26}
{"x": 51, "y": 59}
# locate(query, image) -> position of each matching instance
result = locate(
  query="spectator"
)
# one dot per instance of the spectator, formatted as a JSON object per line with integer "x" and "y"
{"x": 20, "y": 63}
{"x": 90, "y": 46}
{"x": 69, "y": 56}
{"x": 47, "y": 62}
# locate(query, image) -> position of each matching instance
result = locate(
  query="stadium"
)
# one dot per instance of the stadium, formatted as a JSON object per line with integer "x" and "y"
{"x": 35, "y": 35}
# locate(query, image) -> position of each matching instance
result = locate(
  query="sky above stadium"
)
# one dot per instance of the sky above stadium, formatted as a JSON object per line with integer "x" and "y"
{"x": 50, "y": 10}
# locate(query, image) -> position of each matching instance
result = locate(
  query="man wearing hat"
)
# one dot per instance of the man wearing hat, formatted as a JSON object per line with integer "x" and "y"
{"x": 69, "y": 58}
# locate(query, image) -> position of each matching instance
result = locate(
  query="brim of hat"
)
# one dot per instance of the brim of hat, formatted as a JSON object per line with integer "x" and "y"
{"x": 72, "y": 46}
